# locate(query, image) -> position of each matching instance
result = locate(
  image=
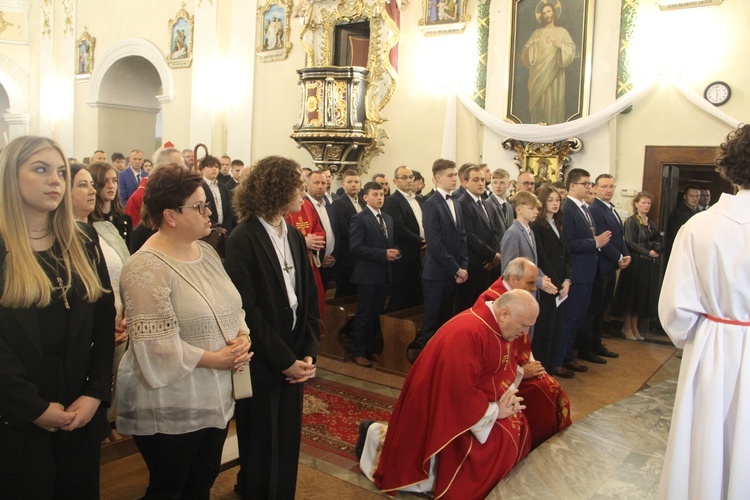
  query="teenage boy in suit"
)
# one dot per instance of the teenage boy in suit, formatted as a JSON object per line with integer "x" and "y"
{"x": 371, "y": 241}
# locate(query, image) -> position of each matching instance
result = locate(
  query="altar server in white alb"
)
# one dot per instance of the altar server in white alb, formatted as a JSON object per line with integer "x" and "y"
{"x": 705, "y": 309}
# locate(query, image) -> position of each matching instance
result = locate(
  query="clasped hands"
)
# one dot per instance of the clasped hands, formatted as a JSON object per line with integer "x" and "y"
{"x": 56, "y": 417}
{"x": 509, "y": 404}
{"x": 533, "y": 369}
{"x": 301, "y": 370}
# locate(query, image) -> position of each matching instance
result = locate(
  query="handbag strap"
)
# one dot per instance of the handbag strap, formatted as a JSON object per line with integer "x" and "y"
{"x": 189, "y": 282}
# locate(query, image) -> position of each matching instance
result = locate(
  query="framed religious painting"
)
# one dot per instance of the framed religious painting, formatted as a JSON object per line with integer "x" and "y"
{"x": 85, "y": 55}
{"x": 549, "y": 65}
{"x": 273, "y": 33}
{"x": 443, "y": 16}
{"x": 181, "y": 40}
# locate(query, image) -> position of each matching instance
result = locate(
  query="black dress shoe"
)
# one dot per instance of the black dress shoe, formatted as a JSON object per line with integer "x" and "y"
{"x": 413, "y": 350}
{"x": 563, "y": 372}
{"x": 362, "y": 437}
{"x": 374, "y": 357}
{"x": 592, "y": 358}
{"x": 574, "y": 366}
{"x": 603, "y": 351}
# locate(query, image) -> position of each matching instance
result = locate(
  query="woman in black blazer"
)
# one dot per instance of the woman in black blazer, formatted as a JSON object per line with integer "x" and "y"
{"x": 56, "y": 331}
{"x": 267, "y": 261}
{"x": 554, "y": 258}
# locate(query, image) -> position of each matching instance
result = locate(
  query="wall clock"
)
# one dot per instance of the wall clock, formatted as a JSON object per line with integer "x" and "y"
{"x": 717, "y": 93}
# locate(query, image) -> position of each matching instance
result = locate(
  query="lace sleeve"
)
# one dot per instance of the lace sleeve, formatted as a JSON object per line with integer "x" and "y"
{"x": 153, "y": 327}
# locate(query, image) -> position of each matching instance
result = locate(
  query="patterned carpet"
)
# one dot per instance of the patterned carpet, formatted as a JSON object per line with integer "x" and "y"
{"x": 332, "y": 413}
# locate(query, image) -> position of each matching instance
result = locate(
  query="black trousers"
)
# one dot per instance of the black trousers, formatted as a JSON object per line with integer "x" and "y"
{"x": 406, "y": 288}
{"x": 439, "y": 306}
{"x": 59, "y": 465}
{"x": 602, "y": 292}
{"x": 370, "y": 302}
{"x": 182, "y": 465}
{"x": 344, "y": 287}
{"x": 547, "y": 331}
{"x": 269, "y": 430}
{"x": 469, "y": 292}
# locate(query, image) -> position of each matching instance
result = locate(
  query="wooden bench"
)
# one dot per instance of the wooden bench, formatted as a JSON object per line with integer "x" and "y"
{"x": 399, "y": 328}
{"x": 339, "y": 312}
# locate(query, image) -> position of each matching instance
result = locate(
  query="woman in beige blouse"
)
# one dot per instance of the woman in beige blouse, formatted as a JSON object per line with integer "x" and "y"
{"x": 187, "y": 333}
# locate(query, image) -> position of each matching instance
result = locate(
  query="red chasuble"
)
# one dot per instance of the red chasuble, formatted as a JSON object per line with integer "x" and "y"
{"x": 308, "y": 222}
{"x": 463, "y": 368}
{"x": 547, "y": 404}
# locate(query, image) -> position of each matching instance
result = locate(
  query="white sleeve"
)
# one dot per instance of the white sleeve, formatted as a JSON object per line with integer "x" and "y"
{"x": 153, "y": 328}
{"x": 481, "y": 429}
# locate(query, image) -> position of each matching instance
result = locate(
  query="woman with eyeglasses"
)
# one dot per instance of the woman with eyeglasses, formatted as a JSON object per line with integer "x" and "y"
{"x": 187, "y": 334}
{"x": 56, "y": 331}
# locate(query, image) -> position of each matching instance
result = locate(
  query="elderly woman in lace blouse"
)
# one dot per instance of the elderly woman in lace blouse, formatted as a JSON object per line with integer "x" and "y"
{"x": 187, "y": 333}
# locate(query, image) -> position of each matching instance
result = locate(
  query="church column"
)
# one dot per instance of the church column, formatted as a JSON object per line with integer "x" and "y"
{"x": 203, "y": 74}
{"x": 67, "y": 81}
{"x": 239, "y": 116}
{"x": 47, "y": 73}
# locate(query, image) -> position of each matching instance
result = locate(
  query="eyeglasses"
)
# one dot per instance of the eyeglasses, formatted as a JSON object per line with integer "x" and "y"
{"x": 405, "y": 177}
{"x": 528, "y": 183}
{"x": 200, "y": 207}
{"x": 587, "y": 184}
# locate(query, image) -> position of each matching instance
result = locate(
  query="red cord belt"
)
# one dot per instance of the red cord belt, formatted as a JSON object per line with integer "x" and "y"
{"x": 727, "y": 321}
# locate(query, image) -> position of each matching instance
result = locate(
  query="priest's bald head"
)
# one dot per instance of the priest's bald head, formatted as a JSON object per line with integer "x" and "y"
{"x": 516, "y": 312}
{"x": 521, "y": 273}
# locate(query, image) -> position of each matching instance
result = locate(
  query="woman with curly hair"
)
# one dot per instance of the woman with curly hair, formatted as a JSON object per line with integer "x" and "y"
{"x": 705, "y": 308}
{"x": 267, "y": 261}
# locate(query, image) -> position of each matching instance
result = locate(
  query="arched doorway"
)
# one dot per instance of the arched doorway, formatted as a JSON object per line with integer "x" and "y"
{"x": 128, "y": 88}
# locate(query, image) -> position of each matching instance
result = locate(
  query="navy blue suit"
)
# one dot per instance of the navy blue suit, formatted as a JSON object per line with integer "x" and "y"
{"x": 583, "y": 258}
{"x": 406, "y": 290}
{"x": 372, "y": 274}
{"x": 128, "y": 183}
{"x": 604, "y": 285}
{"x": 447, "y": 252}
{"x": 480, "y": 240}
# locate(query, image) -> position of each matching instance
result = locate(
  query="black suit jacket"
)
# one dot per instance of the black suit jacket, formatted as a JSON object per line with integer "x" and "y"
{"x": 344, "y": 212}
{"x": 226, "y": 206}
{"x": 406, "y": 227}
{"x": 552, "y": 253}
{"x": 88, "y": 367}
{"x": 606, "y": 220}
{"x": 480, "y": 234}
{"x": 446, "y": 240}
{"x": 369, "y": 244}
{"x": 253, "y": 266}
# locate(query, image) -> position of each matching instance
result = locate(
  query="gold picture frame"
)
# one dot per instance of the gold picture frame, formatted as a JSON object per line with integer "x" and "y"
{"x": 440, "y": 17}
{"x": 85, "y": 46}
{"x": 181, "y": 29}
{"x": 548, "y": 85}
{"x": 273, "y": 34}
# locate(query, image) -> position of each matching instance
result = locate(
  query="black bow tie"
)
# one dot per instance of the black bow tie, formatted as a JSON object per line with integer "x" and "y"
{"x": 448, "y": 196}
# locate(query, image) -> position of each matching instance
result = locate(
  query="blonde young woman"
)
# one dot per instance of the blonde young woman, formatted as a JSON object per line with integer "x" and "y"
{"x": 56, "y": 331}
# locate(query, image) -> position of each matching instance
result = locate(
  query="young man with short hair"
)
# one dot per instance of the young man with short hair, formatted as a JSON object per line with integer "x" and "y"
{"x": 446, "y": 257}
{"x": 346, "y": 206}
{"x": 371, "y": 241}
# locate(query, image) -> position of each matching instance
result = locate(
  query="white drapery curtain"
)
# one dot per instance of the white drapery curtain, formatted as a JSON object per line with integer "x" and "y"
{"x": 560, "y": 131}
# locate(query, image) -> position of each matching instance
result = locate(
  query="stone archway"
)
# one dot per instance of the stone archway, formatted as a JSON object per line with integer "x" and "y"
{"x": 16, "y": 111}
{"x": 128, "y": 87}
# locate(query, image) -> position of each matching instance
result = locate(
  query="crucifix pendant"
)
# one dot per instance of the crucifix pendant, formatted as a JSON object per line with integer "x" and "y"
{"x": 62, "y": 292}
{"x": 287, "y": 267}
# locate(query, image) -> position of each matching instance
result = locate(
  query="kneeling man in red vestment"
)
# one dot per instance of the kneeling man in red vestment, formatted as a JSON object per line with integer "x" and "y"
{"x": 458, "y": 426}
{"x": 547, "y": 404}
